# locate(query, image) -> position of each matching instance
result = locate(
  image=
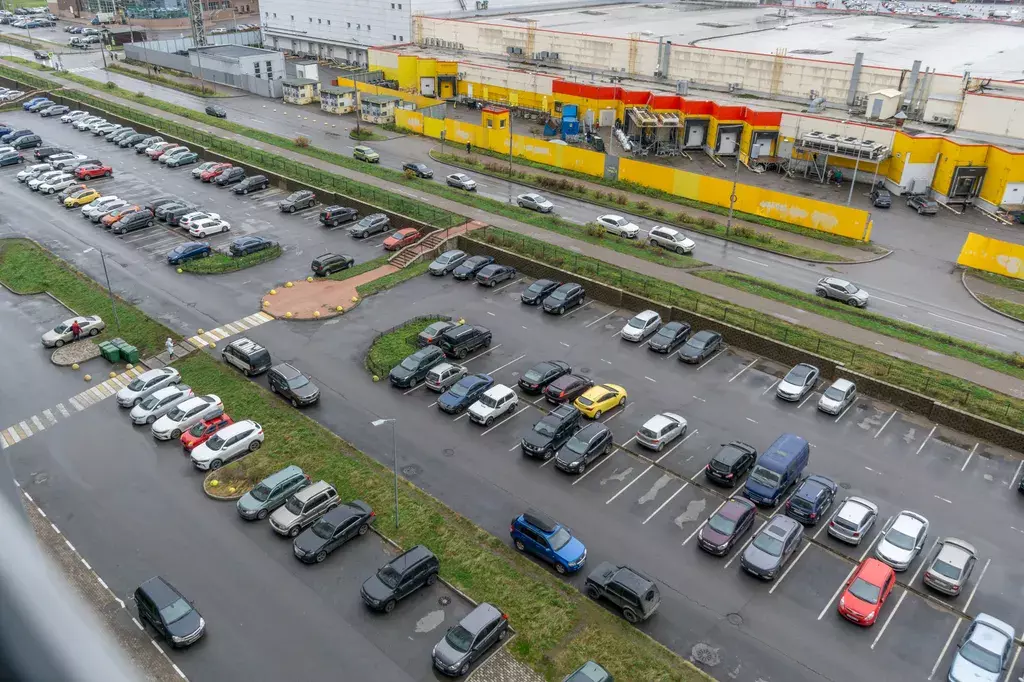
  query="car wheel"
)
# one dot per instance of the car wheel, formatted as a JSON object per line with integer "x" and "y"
{"x": 582, "y": 469}
{"x": 320, "y": 556}
{"x": 412, "y": 382}
{"x": 630, "y": 615}
{"x": 295, "y": 403}
{"x": 593, "y": 592}
{"x": 560, "y": 569}
{"x": 431, "y": 579}
{"x": 622, "y": 402}
{"x": 291, "y": 209}
{"x": 389, "y": 606}
{"x": 175, "y": 434}
{"x": 245, "y": 191}
{"x": 487, "y": 342}
{"x": 488, "y": 421}
{"x": 262, "y": 514}
{"x": 150, "y": 419}
{"x": 106, "y": 174}
{"x": 661, "y": 446}
{"x": 363, "y": 528}
{"x": 853, "y": 302}
{"x": 363, "y": 235}
{"x": 216, "y": 464}
{"x": 561, "y": 311}
{"x": 520, "y": 546}
{"x": 681, "y": 251}
{"x": 293, "y": 531}
{"x": 463, "y": 353}
{"x": 59, "y": 343}
{"x": 548, "y": 454}
{"x": 820, "y": 292}
{"x": 49, "y": 191}
{"x": 597, "y": 415}
{"x": 255, "y": 445}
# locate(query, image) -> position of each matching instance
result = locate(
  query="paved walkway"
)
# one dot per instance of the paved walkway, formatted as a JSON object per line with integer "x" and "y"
{"x": 990, "y": 379}
{"x": 322, "y": 296}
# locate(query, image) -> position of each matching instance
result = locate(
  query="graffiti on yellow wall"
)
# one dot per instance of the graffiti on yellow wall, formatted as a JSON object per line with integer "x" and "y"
{"x": 992, "y": 255}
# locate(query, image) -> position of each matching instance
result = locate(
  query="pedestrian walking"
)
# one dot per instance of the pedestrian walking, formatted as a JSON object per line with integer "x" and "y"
{"x": 469, "y": 148}
{"x": 76, "y": 330}
{"x": 170, "y": 349}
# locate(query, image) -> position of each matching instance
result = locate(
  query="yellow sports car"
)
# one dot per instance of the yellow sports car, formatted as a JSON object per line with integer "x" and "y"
{"x": 599, "y": 399}
{"x": 81, "y": 198}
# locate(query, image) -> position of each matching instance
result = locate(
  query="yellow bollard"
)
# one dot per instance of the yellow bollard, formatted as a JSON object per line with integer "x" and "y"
{"x": 288, "y": 315}
{"x": 309, "y": 279}
{"x": 200, "y": 331}
{"x": 288, "y": 285}
{"x": 376, "y": 378}
{"x": 339, "y": 309}
{"x": 113, "y": 374}
{"x": 180, "y": 271}
{"x": 265, "y": 303}
{"x": 75, "y": 366}
{"x": 355, "y": 299}
{"x": 316, "y": 313}
{"x": 129, "y": 366}
{"x": 88, "y": 377}
{"x": 214, "y": 483}
{"x": 273, "y": 292}
{"x": 213, "y": 345}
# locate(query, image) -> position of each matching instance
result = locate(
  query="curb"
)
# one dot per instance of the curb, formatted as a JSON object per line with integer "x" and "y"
{"x": 216, "y": 498}
{"x": 672, "y": 223}
{"x": 963, "y": 280}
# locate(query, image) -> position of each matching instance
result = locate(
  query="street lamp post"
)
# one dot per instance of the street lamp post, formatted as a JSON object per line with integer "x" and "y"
{"x": 732, "y": 195}
{"x": 394, "y": 451}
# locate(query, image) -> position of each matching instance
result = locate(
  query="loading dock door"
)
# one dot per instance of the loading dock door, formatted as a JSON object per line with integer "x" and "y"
{"x": 695, "y": 132}
{"x": 446, "y": 89}
{"x": 761, "y": 144}
{"x": 966, "y": 183}
{"x": 606, "y": 118}
{"x": 728, "y": 140}
{"x": 427, "y": 86}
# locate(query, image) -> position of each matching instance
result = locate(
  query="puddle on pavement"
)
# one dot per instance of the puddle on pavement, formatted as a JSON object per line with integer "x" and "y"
{"x": 430, "y": 621}
{"x": 655, "y": 489}
{"x": 619, "y": 476}
{"x": 693, "y": 511}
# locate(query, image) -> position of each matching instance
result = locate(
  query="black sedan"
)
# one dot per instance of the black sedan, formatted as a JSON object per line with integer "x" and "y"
{"x": 567, "y": 388}
{"x": 420, "y": 169}
{"x": 490, "y": 275}
{"x": 700, "y": 346}
{"x": 542, "y": 374}
{"x": 333, "y": 530}
{"x": 471, "y": 266}
{"x": 216, "y": 111}
{"x": 669, "y": 337}
{"x": 538, "y": 291}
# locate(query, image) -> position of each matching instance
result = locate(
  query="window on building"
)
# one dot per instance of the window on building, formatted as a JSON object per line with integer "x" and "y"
{"x": 256, "y": 69}
{"x": 311, "y": 20}
{"x": 392, "y": 5}
{"x": 270, "y": 70}
{"x": 501, "y": 123}
{"x": 319, "y": 21}
{"x": 349, "y": 24}
{"x": 394, "y": 37}
{"x": 328, "y": 22}
{"x": 401, "y": 38}
{"x": 368, "y": 27}
{"x": 293, "y": 17}
{"x": 275, "y": 15}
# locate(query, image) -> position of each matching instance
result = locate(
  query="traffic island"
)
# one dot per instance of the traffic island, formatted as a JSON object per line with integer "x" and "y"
{"x": 321, "y": 298}
{"x": 75, "y": 353}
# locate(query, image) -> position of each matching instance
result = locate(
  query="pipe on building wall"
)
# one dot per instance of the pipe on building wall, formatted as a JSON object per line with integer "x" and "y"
{"x": 908, "y": 92}
{"x": 858, "y": 63}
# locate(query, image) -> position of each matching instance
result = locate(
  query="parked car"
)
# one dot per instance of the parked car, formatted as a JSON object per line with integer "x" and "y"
{"x": 468, "y": 268}
{"x": 584, "y": 447}
{"x": 566, "y": 296}
{"x": 145, "y": 143}
{"x": 303, "y": 508}
{"x": 332, "y": 530}
{"x": 291, "y": 384}
{"x": 671, "y": 239}
{"x": 841, "y": 290}
{"x": 880, "y": 198}
{"x": 91, "y": 172}
{"x": 641, "y": 326}
{"x": 208, "y": 226}
{"x": 495, "y": 402}
{"x": 375, "y": 223}
{"x": 364, "y": 153}
{"x": 130, "y": 222}
{"x": 952, "y": 566}
{"x": 201, "y": 432}
{"x": 145, "y": 384}
{"x": 551, "y": 432}
{"x": 168, "y": 611}
{"x": 984, "y": 651}
{"x": 228, "y": 444}
{"x": 772, "y": 547}
{"x": 195, "y": 216}
{"x": 116, "y": 214}
{"x": 599, "y": 399}
{"x": 182, "y": 159}
{"x": 56, "y": 184}
{"x": 538, "y": 291}
{"x": 400, "y": 577}
{"x": 798, "y": 382}
{"x": 853, "y": 520}
{"x": 481, "y": 629}
{"x": 81, "y": 198}
{"x": 27, "y": 142}
{"x": 159, "y": 403}
{"x": 271, "y": 493}
{"x": 446, "y": 262}
{"x": 727, "y": 526}
{"x": 248, "y": 356}
{"x": 230, "y": 177}
{"x": 589, "y": 671}
{"x": 619, "y": 226}
{"x": 330, "y": 263}
{"x": 812, "y": 499}
{"x": 535, "y": 202}
{"x": 457, "y": 394}
{"x": 401, "y": 239}
{"x": 90, "y": 325}
{"x": 627, "y": 588}
{"x": 902, "y": 540}
{"x": 211, "y": 173}
{"x": 70, "y": 191}
{"x": 543, "y": 373}
{"x": 188, "y": 251}
{"x": 431, "y": 335}
{"x": 669, "y": 337}
{"x": 414, "y": 368}
{"x": 186, "y": 415}
{"x": 866, "y": 592}
{"x": 33, "y": 171}
{"x": 461, "y": 181}
{"x": 297, "y": 200}
{"x": 922, "y": 204}
{"x": 419, "y": 169}
{"x": 101, "y": 207}
{"x": 253, "y": 183}
{"x": 216, "y": 111}
{"x": 73, "y": 116}
{"x": 332, "y": 216}
{"x": 566, "y": 388}
{"x": 660, "y": 430}
{"x": 55, "y": 110}
{"x": 493, "y": 274}
{"x": 837, "y": 397}
{"x": 731, "y": 463}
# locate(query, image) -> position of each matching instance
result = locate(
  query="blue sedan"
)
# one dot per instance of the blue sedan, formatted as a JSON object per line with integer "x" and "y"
{"x": 464, "y": 393}
{"x": 188, "y": 251}
{"x": 32, "y": 102}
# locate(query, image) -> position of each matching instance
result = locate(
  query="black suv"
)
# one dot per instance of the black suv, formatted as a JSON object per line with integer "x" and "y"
{"x": 399, "y": 578}
{"x": 627, "y": 588}
{"x": 331, "y": 262}
{"x": 460, "y": 341}
{"x": 132, "y": 221}
{"x": 289, "y": 382}
{"x": 216, "y": 111}
{"x": 551, "y": 432}
{"x": 230, "y": 176}
{"x": 167, "y": 610}
{"x": 586, "y": 445}
{"x": 44, "y": 153}
{"x": 332, "y": 216}
{"x": 414, "y": 368}
{"x": 564, "y": 297}
{"x": 247, "y": 355}
{"x": 253, "y": 183}
{"x": 732, "y": 461}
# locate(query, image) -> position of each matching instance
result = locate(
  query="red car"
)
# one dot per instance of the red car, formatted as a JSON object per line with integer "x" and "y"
{"x": 90, "y": 172}
{"x": 214, "y": 171}
{"x": 402, "y": 238}
{"x": 866, "y": 592}
{"x": 199, "y": 433}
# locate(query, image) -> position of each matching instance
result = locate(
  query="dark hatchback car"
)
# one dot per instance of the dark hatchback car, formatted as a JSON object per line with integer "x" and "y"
{"x": 491, "y": 275}
{"x": 700, "y": 346}
{"x": 727, "y": 526}
{"x": 432, "y": 334}
{"x": 11, "y": 159}
{"x": 174, "y": 617}
{"x": 331, "y": 262}
{"x": 216, "y": 111}
{"x": 332, "y": 530}
{"x": 567, "y": 388}
{"x": 551, "y": 432}
{"x": 880, "y": 198}
{"x": 590, "y": 671}
{"x": 731, "y": 463}
{"x": 564, "y": 297}
{"x": 472, "y": 265}
{"x": 332, "y": 216}
{"x": 669, "y": 337}
{"x": 188, "y": 251}
{"x": 253, "y": 183}
{"x": 414, "y": 368}
{"x": 295, "y": 386}
{"x": 629, "y": 589}
{"x": 922, "y": 204}
{"x": 132, "y": 140}
{"x": 538, "y": 291}
{"x": 399, "y": 578}
{"x": 812, "y": 499}
{"x": 464, "y": 393}
{"x": 420, "y": 169}
{"x": 543, "y": 373}
{"x": 230, "y": 177}
{"x": 243, "y": 246}
{"x": 297, "y": 201}
{"x": 482, "y": 628}
{"x": 583, "y": 447}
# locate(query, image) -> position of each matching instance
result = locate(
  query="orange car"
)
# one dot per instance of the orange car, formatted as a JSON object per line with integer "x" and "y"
{"x": 201, "y": 432}
{"x": 402, "y": 238}
{"x": 866, "y": 592}
{"x": 116, "y": 215}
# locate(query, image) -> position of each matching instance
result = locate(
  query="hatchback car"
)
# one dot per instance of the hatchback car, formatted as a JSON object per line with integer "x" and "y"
{"x": 583, "y": 447}
{"x": 669, "y": 337}
{"x": 812, "y": 499}
{"x": 446, "y": 262}
{"x": 671, "y": 239}
{"x": 292, "y": 385}
{"x": 61, "y": 334}
{"x": 902, "y": 540}
{"x": 243, "y": 246}
{"x": 130, "y": 222}
{"x": 660, "y": 430}
{"x": 564, "y": 297}
{"x": 375, "y": 223}
{"x": 271, "y": 493}
{"x": 415, "y": 568}
{"x": 700, "y": 346}
{"x": 543, "y": 373}
{"x": 101, "y": 207}
{"x": 332, "y": 216}
{"x": 229, "y": 177}
{"x": 172, "y": 615}
{"x": 798, "y": 382}
{"x": 537, "y": 534}
{"x": 837, "y": 397}
{"x": 771, "y": 548}
{"x": 641, "y": 326}
{"x": 599, "y": 399}
{"x": 495, "y": 402}
{"x": 538, "y": 291}
{"x": 185, "y": 415}
{"x": 952, "y": 566}
{"x": 853, "y": 520}
{"x": 444, "y": 376}
{"x": 90, "y": 172}
{"x": 464, "y": 393}
{"x": 619, "y": 226}
{"x": 332, "y": 530}
{"x": 468, "y": 268}
{"x": 182, "y": 159}
{"x": 202, "y": 431}
{"x": 535, "y": 202}
{"x": 731, "y": 463}
{"x": 216, "y": 111}
{"x": 414, "y": 368}
{"x": 461, "y": 181}
{"x": 186, "y": 220}
{"x": 866, "y": 592}
{"x": 188, "y": 251}
{"x": 364, "y": 153}
{"x": 841, "y": 290}
{"x": 420, "y": 170}
{"x": 297, "y": 201}
{"x": 627, "y": 588}
{"x": 56, "y": 184}
{"x": 330, "y": 263}
{"x": 566, "y": 388}
{"x": 727, "y": 526}
{"x": 922, "y": 204}
{"x": 11, "y": 158}
{"x": 145, "y": 384}
{"x": 476, "y": 633}
{"x": 401, "y": 239}
{"x": 159, "y": 403}
{"x": 303, "y": 508}
{"x": 880, "y": 198}
{"x": 86, "y": 196}
{"x": 983, "y": 652}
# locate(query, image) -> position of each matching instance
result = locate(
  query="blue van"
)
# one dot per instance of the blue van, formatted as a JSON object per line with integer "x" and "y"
{"x": 777, "y": 470}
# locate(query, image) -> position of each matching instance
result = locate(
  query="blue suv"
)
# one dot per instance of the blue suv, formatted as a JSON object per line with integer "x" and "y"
{"x": 464, "y": 393}
{"x": 812, "y": 499}
{"x": 537, "y": 534}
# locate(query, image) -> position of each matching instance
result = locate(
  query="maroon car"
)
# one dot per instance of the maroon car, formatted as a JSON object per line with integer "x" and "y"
{"x": 726, "y": 526}
{"x": 567, "y": 388}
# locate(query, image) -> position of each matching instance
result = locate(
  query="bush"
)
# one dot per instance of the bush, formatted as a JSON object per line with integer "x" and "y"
{"x": 111, "y": 85}
{"x": 683, "y": 217}
{"x": 595, "y": 230}
{"x": 659, "y": 211}
{"x": 409, "y": 175}
{"x": 580, "y": 188}
{"x": 622, "y": 199}
{"x": 643, "y": 206}
{"x": 140, "y": 93}
{"x": 302, "y": 141}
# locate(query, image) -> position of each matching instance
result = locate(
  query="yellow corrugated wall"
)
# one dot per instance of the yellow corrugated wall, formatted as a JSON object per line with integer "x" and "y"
{"x": 992, "y": 255}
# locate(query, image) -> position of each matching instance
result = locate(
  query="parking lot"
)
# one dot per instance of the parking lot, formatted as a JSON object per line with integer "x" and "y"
{"x": 644, "y": 508}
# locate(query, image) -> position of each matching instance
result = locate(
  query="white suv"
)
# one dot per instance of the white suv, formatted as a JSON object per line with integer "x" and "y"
{"x": 671, "y": 239}
{"x": 105, "y": 203}
{"x": 33, "y": 171}
{"x": 618, "y": 225}
{"x": 186, "y": 415}
{"x": 62, "y": 181}
{"x": 227, "y": 444}
{"x": 495, "y": 402}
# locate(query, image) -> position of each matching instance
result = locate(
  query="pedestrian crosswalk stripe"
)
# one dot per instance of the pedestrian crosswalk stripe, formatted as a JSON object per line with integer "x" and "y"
{"x": 264, "y": 316}
{"x": 12, "y": 435}
{"x": 25, "y": 430}
{"x": 63, "y": 410}
{"x": 95, "y": 391}
{"x": 241, "y": 324}
{"x": 253, "y": 320}
{"x": 49, "y": 416}
{"x": 38, "y": 423}
{"x": 75, "y": 404}
{"x": 231, "y": 328}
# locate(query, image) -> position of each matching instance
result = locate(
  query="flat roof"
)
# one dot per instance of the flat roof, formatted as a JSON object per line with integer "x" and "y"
{"x": 380, "y": 99}
{"x": 298, "y": 82}
{"x": 335, "y": 90}
{"x": 234, "y": 51}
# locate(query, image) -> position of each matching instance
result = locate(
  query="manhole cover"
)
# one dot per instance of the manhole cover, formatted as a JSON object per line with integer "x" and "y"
{"x": 444, "y": 601}
{"x": 448, "y": 452}
{"x": 412, "y": 470}
{"x": 704, "y": 654}
{"x": 735, "y": 618}
{"x": 844, "y": 486}
{"x": 584, "y": 370}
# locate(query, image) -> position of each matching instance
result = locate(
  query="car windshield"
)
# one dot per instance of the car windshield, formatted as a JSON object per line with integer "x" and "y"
{"x": 765, "y": 477}
{"x": 901, "y": 540}
{"x": 261, "y": 492}
{"x": 797, "y": 375}
{"x": 149, "y": 403}
{"x": 459, "y": 390}
{"x": 801, "y": 503}
{"x": 833, "y": 393}
{"x": 721, "y": 524}
{"x": 768, "y": 544}
{"x": 409, "y": 363}
{"x": 638, "y": 322}
{"x": 694, "y": 344}
{"x": 389, "y": 576}
{"x": 557, "y": 295}
{"x": 666, "y": 333}
{"x": 537, "y": 373}
{"x": 576, "y": 445}
{"x": 850, "y": 289}
{"x": 176, "y": 611}
{"x": 298, "y": 382}
{"x": 397, "y": 235}
{"x": 215, "y": 442}
{"x": 559, "y": 539}
{"x": 135, "y": 385}
{"x": 61, "y": 328}
{"x": 323, "y": 529}
{"x": 294, "y": 505}
{"x": 538, "y": 287}
{"x": 295, "y": 196}
{"x": 544, "y": 428}
{"x": 865, "y": 591}
{"x": 946, "y": 569}
{"x": 488, "y": 401}
{"x": 176, "y": 414}
{"x": 459, "y": 638}
{"x": 984, "y": 659}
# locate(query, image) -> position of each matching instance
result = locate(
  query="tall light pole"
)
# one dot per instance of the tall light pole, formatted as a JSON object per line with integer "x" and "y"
{"x": 394, "y": 453}
{"x": 732, "y": 196}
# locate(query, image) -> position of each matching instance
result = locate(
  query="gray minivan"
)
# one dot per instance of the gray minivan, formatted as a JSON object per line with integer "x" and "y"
{"x": 777, "y": 470}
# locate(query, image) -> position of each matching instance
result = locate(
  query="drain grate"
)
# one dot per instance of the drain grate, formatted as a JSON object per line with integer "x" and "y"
{"x": 867, "y": 39}
{"x": 810, "y": 51}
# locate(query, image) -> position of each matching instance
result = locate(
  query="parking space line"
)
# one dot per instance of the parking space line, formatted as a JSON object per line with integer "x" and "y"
{"x": 583, "y": 306}
{"x": 956, "y": 625}
{"x": 789, "y": 568}
{"x": 968, "y": 460}
{"x": 662, "y": 505}
{"x": 776, "y": 383}
{"x": 635, "y": 479}
{"x": 507, "y": 364}
{"x": 414, "y": 388}
{"x": 671, "y": 449}
{"x": 593, "y": 468}
{"x": 1013, "y": 663}
{"x": 477, "y": 357}
{"x": 710, "y": 360}
{"x": 843, "y": 413}
{"x": 850, "y": 574}
{"x": 1016, "y": 473}
{"x": 744, "y": 547}
{"x": 507, "y": 285}
{"x": 703, "y": 523}
{"x": 825, "y": 525}
{"x": 735, "y": 376}
{"x": 805, "y": 400}
{"x": 903, "y": 596}
{"x": 886, "y": 423}
{"x": 64, "y": 411}
{"x": 591, "y": 324}
{"x": 520, "y": 411}
{"x": 616, "y": 333}
{"x": 514, "y": 447}
{"x": 608, "y": 419}
{"x": 926, "y": 439}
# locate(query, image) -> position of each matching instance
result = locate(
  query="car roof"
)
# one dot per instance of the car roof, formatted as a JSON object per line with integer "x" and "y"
{"x": 480, "y": 617}
{"x": 287, "y": 371}
{"x": 995, "y": 633}
{"x": 836, "y": 280}
{"x": 647, "y": 315}
{"x": 540, "y": 521}
{"x": 811, "y": 486}
{"x": 591, "y": 431}
{"x": 193, "y": 402}
{"x": 802, "y": 369}
{"x": 410, "y": 557}
{"x": 703, "y": 335}
{"x": 842, "y": 384}
{"x": 160, "y": 591}
{"x": 729, "y": 454}
{"x": 498, "y": 391}
{"x": 735, "y": 507}
{"x": 660, "y": 421}
{"x": 854, "y": 509}
{"x": 310, "y": 490}
{"x": 781, "y": 526}
{"x": 874, "y": 571}
{"x": 282, "y": 475}
{"x": 632, "y": 580}
{"x": 169, "y": 390}
{"x": 955, "y": 552}
{"x": 907, "y": 523}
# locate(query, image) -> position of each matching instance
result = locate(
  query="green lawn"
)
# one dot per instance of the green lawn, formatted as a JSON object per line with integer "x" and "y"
{"x": 220, "y": 263}
{"x": 390, "y": 349}
{"x": 1002, "y": 305}
{"x": 205, "y": 91}
{"x": 1001, "y": 280}
{"x": 392, "y": 280}
{"x": 359, "y": 268}
{"x": 12, "y": 5}
{"x": 27, "y": 62}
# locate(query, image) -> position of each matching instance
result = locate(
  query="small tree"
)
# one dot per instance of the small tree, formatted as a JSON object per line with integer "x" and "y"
{"x": 302, "y": 141}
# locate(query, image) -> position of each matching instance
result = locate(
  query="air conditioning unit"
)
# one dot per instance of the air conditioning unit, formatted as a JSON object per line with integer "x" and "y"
{"x": 553, "y": 55}
{"x": 461, "y": 47}
{"x": 941, "y": 120}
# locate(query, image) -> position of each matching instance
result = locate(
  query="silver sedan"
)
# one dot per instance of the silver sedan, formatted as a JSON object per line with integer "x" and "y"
{"x": 535, "y": 202}
{"x": 951, "y": 567}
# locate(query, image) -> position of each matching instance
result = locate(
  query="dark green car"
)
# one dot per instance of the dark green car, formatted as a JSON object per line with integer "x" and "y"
{"x": 183, "y": 159}
{"x": 271, "y": 493}
{"x": 590, "y": 672}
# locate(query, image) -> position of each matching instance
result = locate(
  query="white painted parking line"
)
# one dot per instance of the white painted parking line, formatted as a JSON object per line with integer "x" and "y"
{"x": 968, "y": 460}
{"x": 805, "y": 400}
{"x": 64, "y": 411}
{"x": 477, "y": 357}
{"x": 593, "y": 468}
{"x": 956, "y": 625}
{"x": 903, "y": 596}
{"x": 650, "y": 379}
{"x": 583, "y": 306}
{"x": 744, "y": 547}
{"x": 507, "y": 364}
{"x": 564, "y": 344}
{"x": 491, "y": 314}
{"x": 662, "y": 505}
{"x": 824, "y": 525}
{"x": 1016, "y": 474}
{"x": 765, "y": 391}
{"x": 850, "y": 574}
{"x": 709, "y": 361}
{"x": 461, "y": 416}
{"x": 789, "y": 568}
{"x": 671, "y": 449}
{"x": 926, "y": 439}
{"x": 625, "y": 487}
{"x": 943, "y": 499}
{"x": 887, "y": 300}
{"x": 735, "y": 376}
{"x": 591, "y": 324}
{"x": 608, "y": 419}
{"x": 886, "y": 423}
{"x": 703, "y": 523}
{"x": 517, "y": 412}
{"x": 982, "y": 329}
{"x": 626, "y": 444}
{"x": 507, "y": 285}
{"x": 616, "y": 333}
{"x": 38, "y": 423}
{"x": 1013, "y": 663}
{"x": 843, "y": 413}
{"x": 414, "y": 388}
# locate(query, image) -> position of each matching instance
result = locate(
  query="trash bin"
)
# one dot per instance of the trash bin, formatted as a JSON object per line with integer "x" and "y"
{"x": 109, "y": 351}
{"x": 118, "y": 342}
{"x": 129, "y": 353}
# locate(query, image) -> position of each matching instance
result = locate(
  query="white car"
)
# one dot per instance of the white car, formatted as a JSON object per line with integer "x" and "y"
{"x": 660, "y": 430}
{"x": 186, "y": 415}
{"x": 34, "y": 183}
{"x": 61, "y": 334}
{"x": 33, "y": 171}
{"x": 146, "y": 383}
{"x": 104, "y": 128}
{"x": 641, "y": 326}
{"x": 60, "y": 156}
{"x": 187, "y": 219}
{"x": 68, "y": 161}
{"x": 62, "y": 181}
{"x": 12, "y": 95}
{"x": 227, "y": 444}
{"x": 97, "y": 215}
{"x": 158, "y": 404}
{"x": 102, "y": 204}
{"x": 83, "y": 123}
{"x": 983, "y": 653}
{"x": 97, "y": 123}
{"x": 72, "y": 116}
{"x": 208, "y": 226}
{"x": 671, "y": 239}
{"x": 618, "y": 225}
{"x": 535, "y": 202}
{"x": 461, "y": 181}
{"x": 837, "y": 397}
{"x": 495, "y": 402}
{"x": 902, "y": 540}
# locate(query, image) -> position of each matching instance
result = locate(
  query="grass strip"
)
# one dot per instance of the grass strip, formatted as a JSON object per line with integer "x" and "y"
{"x": 391, "y": 348}
{"x": 28, "y": 269}
{"x": 27, "y": 62}
{"x": 934, "y": 384}
{"x": 33, "y": 44}
{"x": 201, "y": 91}
{"x": 219, "y": 263}
{"x": 364, "y": 135}
{"x": 392, "y": 280}
{"x": 1001, "y": 280}
{"x": 358, "y": 269}
{"x": 1010, "y": 308}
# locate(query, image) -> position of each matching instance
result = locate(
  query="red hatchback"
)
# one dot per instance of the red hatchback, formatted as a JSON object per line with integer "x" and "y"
{"x": 199, "y": 433}
{"x": 214, "y": 171}
{"x": 866, "y": 592}
{"x": 90, "y": 172}
{"x": 401, "y": 239}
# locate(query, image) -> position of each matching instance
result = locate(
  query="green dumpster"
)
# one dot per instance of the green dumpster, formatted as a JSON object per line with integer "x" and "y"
{"x": 110, "y": 352}
{"x": 118, "y": 342}
{"x": 129, "y": 353}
